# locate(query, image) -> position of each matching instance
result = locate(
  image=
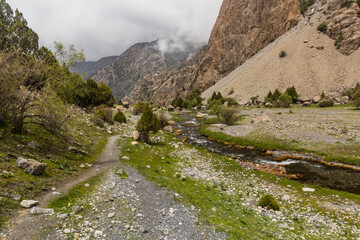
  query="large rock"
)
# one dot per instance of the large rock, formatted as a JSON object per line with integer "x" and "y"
{"x": 136, "y": 135}
{"x": 170, "y": 108}
{"x": 28, "y": 203}
{"x": 31, "y": 166}
{"x": 169, "y": 129}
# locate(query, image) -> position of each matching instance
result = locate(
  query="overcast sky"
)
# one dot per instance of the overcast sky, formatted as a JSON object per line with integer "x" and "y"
{"x": 108, "y": 27}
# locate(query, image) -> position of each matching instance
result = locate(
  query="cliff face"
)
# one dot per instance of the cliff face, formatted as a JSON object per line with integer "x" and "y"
{"x": 314, "y": 62}
{"x": 242, "y": 29}
{"x": 344, "y": 25}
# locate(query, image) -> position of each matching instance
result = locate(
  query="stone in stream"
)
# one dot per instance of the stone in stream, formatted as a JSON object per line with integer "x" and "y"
{"x": 28, "y": 203}
{"x": 111, "y": 215}
{"x": 31, "y": 166}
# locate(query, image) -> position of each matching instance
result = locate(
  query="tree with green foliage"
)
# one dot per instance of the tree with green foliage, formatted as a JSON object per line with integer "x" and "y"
{"x": 228, "y": 115}
{"x": 291, "y": 91}
{"x": 193, "y": 99}
{"x": 70, "y": 56}
{"x": 139, "y": 108}
{"x": 284, "y": 100}
{"x": 178, "y": 102}
{"x": 14, "y": 31}
{"x": 276, "y": 95}
{"x": 148, "y": 122}
{"x": 269, "y": 97}
{"x": 120, "y": 117}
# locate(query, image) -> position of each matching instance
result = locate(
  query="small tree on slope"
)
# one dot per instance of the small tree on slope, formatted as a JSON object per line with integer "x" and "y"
{"x": 147, "y": 123}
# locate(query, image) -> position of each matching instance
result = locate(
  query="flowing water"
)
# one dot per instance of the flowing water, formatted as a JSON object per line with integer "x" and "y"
{"x": 313, "y": 173}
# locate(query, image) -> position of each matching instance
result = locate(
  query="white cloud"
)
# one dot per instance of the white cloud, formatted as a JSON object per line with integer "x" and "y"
{"x": 109, "y": 27}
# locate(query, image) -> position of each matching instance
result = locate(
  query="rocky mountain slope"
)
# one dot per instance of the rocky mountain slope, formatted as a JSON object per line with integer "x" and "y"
{"x": 313, "y": 63}
{"x": 242, "y": 29}
{"x": 123, "y": 72}
{"x": 89, "y": 68}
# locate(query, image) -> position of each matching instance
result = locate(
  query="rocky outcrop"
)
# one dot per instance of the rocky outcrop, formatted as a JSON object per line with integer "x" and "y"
{"x": 344, "y": 25}
{"x": 31, "y": 166}
{"x": 242, "y": 29}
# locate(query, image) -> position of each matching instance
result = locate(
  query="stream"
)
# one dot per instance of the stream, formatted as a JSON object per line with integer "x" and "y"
{"x": 312, "y": 173}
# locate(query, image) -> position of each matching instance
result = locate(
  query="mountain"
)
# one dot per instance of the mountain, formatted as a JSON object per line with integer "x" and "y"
{"x": 123, "y": 72}
{"x": 242, "y": 29}
{"x": 88, "y": 69}
{"x": 315, "y": 61}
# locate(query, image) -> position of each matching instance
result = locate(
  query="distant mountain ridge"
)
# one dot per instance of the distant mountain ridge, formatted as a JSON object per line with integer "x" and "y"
{"x": 89, "y": 68}
{"x": 121, "y": 73}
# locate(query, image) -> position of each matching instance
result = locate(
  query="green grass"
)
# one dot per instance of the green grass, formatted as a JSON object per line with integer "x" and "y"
{"x": 74, "y": 194}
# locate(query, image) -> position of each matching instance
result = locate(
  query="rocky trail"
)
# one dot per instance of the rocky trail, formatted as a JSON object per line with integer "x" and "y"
{"x": 121, "y": 208}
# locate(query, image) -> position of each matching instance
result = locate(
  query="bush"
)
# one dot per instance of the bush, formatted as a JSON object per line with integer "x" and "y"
{"x": 178, "y": 102}
{"x": 147, "y": 123}
{"x": 326, "y": 102}
{"x": 228, "y": 115}
{"x": 138, "y": 108}
{"x": 269, "y": 201}
{"x": 304, "y": 4}
{"x": 291, "y": 91}
{"x": 120, "y": 117}
{"x": 104, "y": 114}
{"x": 282, "y": 54}
{"x": 284, "y": 100}
{"x": 322, "y": 27}
{"x": 163, "y": 120}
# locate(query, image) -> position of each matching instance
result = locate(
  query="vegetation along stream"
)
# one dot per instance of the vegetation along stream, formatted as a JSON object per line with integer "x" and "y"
{"x": 309, "y": 172}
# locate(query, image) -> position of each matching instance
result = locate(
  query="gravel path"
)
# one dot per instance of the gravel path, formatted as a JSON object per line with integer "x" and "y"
{"x": 132, "y": 208}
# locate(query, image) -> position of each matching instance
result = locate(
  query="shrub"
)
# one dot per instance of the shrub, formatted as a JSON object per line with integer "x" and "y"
{"x": 269, "y": 97}
{"x": 104, "y": 113}
{"x": 304, "y": 4}
{"x": 228, "y": 115}
{"x": 178, "y": 102}
{"x": 282, "y": 54}
{"x": 322, "y": 27}
{"x": 138, "y": 108}
{"x": 120, "y": 117}
{"x": 163, "y": 120}
{"x": 291, "y": 91}
{"x": 284, "y": 100}
{"x": 326, "y": 102}
{"x": 120, "y": 102}
{"x": 269, "y": 201}
{"x": 276, "y": 95}
{"x": 147, "y": 123}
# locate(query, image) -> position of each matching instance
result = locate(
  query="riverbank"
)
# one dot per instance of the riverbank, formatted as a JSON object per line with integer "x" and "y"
{"x": 333, "y": 134}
